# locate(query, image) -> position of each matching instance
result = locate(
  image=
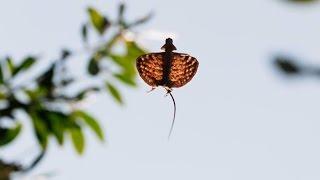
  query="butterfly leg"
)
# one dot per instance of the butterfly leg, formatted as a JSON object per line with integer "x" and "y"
{"x": 169, "y": 90}
{"x": 152, "y": 88}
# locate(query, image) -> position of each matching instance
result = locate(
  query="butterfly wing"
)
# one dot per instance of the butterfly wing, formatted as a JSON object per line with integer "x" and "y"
{"x": 150, "y": 68}
{"x": 183, "y": 68}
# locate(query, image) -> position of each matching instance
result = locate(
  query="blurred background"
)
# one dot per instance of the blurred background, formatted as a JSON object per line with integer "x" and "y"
{"x": 73, "y": 107}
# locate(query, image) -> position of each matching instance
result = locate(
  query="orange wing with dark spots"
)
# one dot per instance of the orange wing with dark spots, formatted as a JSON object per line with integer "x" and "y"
{"x": 150, "y": 68}
{"x": 183, "y": 68}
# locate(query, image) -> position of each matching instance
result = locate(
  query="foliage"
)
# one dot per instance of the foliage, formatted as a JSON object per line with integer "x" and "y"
{"x": 287, "y": 65}
{"x": 302, "y": 1}
{"x": 292, "y": 67}
{"x": 43, "y": 99}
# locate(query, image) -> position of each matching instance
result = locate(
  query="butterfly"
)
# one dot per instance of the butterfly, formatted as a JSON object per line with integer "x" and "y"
{"x": 167, "y": 69}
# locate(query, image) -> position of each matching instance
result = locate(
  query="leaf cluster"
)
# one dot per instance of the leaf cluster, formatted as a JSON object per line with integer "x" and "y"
{"x": 53, "y": 112}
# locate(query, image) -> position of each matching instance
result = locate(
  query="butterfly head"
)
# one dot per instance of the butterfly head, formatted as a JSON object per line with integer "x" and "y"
{"x": 168, "y": 46}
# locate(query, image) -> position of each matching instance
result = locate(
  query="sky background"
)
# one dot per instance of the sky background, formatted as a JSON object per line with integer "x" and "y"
{"x": 238, "y": 119}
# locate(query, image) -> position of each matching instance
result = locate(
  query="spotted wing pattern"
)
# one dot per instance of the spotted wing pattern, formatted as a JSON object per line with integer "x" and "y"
{"x": 150, "y": 68}
{"x": 183, "y": 68}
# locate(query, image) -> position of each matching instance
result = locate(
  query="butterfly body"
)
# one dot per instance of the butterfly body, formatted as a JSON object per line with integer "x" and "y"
{"x": 167, "y": 62}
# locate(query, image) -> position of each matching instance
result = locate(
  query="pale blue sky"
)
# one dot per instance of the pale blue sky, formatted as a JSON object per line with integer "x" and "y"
{"x": 237, "y": 120}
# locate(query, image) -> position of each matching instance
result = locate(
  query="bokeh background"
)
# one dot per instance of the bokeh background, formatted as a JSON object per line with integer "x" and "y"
{"x": 239, "y": 118}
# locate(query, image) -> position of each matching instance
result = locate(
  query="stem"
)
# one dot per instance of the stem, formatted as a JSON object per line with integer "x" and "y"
{"x": 35, "y": 162}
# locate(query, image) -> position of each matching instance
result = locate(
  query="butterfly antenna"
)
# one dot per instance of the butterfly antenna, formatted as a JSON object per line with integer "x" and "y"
{"x": 152, "y": 88}
{"x": 174, "y": 113}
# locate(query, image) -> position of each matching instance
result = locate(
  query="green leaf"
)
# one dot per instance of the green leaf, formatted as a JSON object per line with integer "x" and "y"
{"x": 134, "y": 50}
{"x": 56, "y": 120}
{"x": 122, "y": 8}
{"x": 8, "y": 135}
{"x": 126, "y": 63}
{"x": 93, "y": 67}
{"x": 10, "y": 65}
{"x": 46, "y": 79}
{"x": 142, "y": 20}
{"x": 40, "y": 128}
{"x": 302, "y": 1}
{"x": 67, "y": 81}
{"x": 26, "y": 64}
{"x": 83, "y": 93}
{"x": 1, "y": 74}
{"x": 99, "y": 22}
{"x": 2, "y": 95}
{"x": 121, "y": 20}
{"x": 288, "y": 65}
{"x": 36, "y": 94}
{"x": 77, "y": 139}
{"x": 65, "y": 53}
{"x": 91, "y": 122}
{"x": 84, "y": 33}
{"x": 114, "y": 92}
{"x": 125, "y": 78}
